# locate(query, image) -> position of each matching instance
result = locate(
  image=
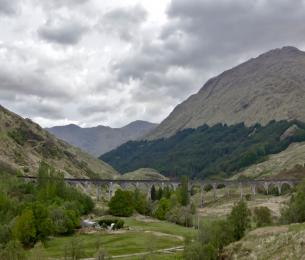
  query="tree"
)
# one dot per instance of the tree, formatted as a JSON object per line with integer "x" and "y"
{"x": 153, "y": 193}
{"x": 161, "y": 209}
{"x": 121, "y": 204}
{"x": 198, "y": 251}
{"x": 24, "y": 229}
{"x": 167, "y": 192}
{"x": 13, "y": 251}
{"x": 63, "y": 221}
{"x": 239, "y": 219}
{"x": 262, "y": 216}
{"x": 295, "y": 211}
{"x": 140, "y": 202}
{"x": 43, "y": 223}
{"x": 183, "y": 191}
{"x": 74, "y": 249}
{"x": 159, "y": 193}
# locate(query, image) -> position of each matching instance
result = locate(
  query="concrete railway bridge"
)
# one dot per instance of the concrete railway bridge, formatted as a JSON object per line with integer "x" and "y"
{"x": 112, "y": 184}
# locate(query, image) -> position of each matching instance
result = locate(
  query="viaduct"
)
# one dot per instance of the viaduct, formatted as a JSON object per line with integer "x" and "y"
{"x": 147, "y": 185}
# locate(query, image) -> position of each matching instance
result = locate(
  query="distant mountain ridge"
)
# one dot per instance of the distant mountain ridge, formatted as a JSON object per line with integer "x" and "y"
{"x": 269, "y": 87}
{"x": 101, "y": 139}
{"x": 24, "y": 144}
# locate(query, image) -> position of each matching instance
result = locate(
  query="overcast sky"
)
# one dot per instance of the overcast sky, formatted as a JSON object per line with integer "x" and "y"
{"x": 92, "y": 62}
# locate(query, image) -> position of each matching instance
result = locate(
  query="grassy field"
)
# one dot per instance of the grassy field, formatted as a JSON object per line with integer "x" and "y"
{"x": 144, "y": 235}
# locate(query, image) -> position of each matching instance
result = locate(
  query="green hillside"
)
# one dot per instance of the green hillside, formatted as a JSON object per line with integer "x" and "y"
{"x": 24, "y": 144}
{"x": 144, "y": 174}
{"x": 220, "y": 150}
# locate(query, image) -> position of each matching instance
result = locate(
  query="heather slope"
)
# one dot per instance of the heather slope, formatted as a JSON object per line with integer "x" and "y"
{"x": 269, "y": 87}
{"x": 23, "y": 144}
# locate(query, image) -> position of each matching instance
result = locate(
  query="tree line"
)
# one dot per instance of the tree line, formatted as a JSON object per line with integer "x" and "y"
{"x": 204, "y": 152}
{"x": 32, "y": 212}
{"x": 163, "y": 204}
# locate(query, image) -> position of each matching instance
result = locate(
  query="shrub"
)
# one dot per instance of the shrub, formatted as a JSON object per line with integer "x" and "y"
{"x": 140, "y": 202}
{"x": 248, "y": 197}
{"x": 162, "y": 207}
{"x": 118, "y": 223}
{"x": 295, "y": 211}
{"x": 24, "y": 229}
{"x": 198, "y": 251}
{"x": 74, "y": 249}
{"x": 13, "y": 251}
{"x": 240, "y": 219}
{"x": 262, "y": 216}
{"x": 121, "y": 204}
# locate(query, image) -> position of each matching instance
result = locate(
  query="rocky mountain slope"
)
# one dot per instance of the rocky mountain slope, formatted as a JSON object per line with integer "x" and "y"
{"x": 101, "y": 139}
{"x": 278, "y": 165}
{"x": 278, "y": 242}
{"x": 23, "y": 144}
{"x": 269, "y": 87}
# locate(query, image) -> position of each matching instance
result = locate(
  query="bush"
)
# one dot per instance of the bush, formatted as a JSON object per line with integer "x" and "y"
{"x": 295, "y": 211}
{"x": 240, "y": 219}
{"x": 180, "y": 215}
{"x": 262, "y": 216}
{"x": 24, "y": 229}
{"x": 121, "y": 204}
{"x": 162, "y": 207}
{"x": 198, "y": 251}
{"x": 118, "y": 223}
{"x": 248, "y": 197}
{"x": 74, "y": 249}
{"x": 13, "y": 251}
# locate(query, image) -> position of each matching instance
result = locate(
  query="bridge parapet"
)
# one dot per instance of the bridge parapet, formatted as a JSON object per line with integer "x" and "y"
{"x": 110, "y": 183}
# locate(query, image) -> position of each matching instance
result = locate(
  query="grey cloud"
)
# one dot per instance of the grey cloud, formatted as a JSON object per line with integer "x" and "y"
{"x": 62, "y": 31}
{"x": 29, "y": 83}
{"x": 38, "y": 108}
{"x": 9, "y": 7}
{"x": 99, "y": 108}
{"x": 61, "y": 3}
{"x": 210, "y": 36}
{"x": 124, "y": 22}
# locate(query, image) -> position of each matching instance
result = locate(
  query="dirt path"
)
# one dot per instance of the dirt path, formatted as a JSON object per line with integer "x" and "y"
{"x": 164, "y": 250}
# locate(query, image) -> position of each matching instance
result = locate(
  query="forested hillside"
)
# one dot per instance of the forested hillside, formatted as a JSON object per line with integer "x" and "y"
{"x": 220, "y": 150}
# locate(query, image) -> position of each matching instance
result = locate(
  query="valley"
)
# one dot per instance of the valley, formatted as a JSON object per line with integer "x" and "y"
{"x": 222, "y": 177}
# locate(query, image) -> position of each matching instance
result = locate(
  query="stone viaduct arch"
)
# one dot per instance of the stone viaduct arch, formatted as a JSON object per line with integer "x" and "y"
{"x": 147, "y": 184}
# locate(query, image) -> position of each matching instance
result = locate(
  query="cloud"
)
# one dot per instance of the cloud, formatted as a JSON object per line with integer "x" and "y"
{"x": 111, "y": 62}
{"x": 62, "y": 31}
{"x": 206, "y": 37}
{"x": 9, "y": 7}
{"x": 123, "y": 21}
{"x": 61, "y": 3}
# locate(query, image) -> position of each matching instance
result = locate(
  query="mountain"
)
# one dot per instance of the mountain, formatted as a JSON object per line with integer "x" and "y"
{"x": 208, "y": 151}
{"x": 269, "y": 87}
{"x": 23, "y": 144}
{"x": 101, "y": 139}
{"x": 144, "y": 174}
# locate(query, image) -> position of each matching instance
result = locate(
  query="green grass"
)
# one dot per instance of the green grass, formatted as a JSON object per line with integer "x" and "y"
{"x": 159, "y": 256}
{"x": 114, "y": 244}
{"x": 159, "y": 226}
{"x": 135, "y": 240}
